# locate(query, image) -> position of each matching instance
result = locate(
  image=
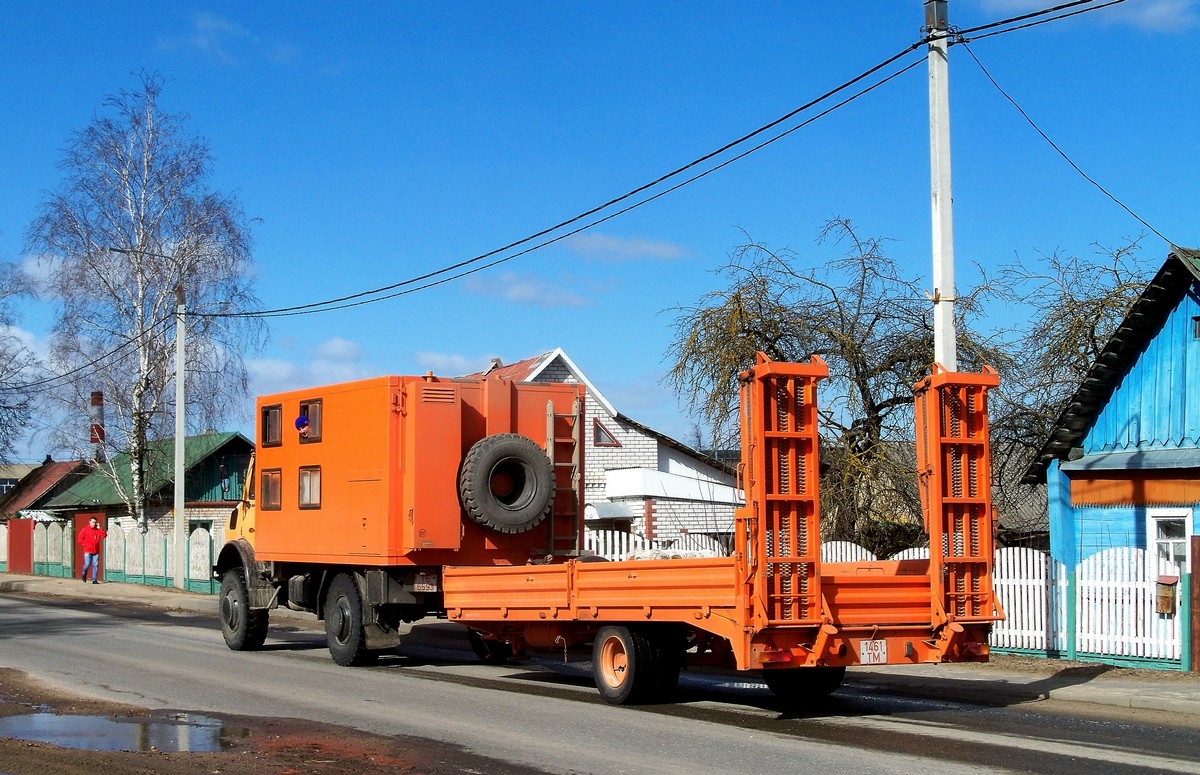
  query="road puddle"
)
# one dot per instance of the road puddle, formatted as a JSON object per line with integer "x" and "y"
{"x": 183, "y": 732}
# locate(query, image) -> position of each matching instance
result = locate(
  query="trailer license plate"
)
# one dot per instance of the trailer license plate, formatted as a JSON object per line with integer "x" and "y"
{"x": 872, "y": 652}
{"x": 425, "y": 582}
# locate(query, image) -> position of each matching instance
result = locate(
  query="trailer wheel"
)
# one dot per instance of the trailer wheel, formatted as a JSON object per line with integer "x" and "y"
{"x": 244, "y": 629}
{"x": 623, "y": 666}
{"x": 506, "y": 483}
{"x": 344, "y": 623}
{"x": 804, "y": 683}
{"x": 489, "y": 650}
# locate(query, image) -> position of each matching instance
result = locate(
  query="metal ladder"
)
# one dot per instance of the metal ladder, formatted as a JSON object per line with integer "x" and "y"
{"x": 564, "y": 447}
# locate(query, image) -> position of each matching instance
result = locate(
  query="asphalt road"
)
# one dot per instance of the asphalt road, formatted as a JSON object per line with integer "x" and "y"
{"x": 547, "y": 715}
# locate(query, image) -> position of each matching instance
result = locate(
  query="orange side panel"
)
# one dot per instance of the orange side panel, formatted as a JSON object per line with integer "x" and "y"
{"x": 388, "y": 453}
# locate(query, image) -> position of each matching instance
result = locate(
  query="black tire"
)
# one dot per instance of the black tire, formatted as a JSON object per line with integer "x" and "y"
{"x": 506, "y": 483}
{"x": 804, "y": 683}
{"x": 244, "y": 628}
{"x": 344, "y": 623}
{"x": 489, "y": 650}
{"x": 668, "y": 645}
{"x": 623, "y": 666}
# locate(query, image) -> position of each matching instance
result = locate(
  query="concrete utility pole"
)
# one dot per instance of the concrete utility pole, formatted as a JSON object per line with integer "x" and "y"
{"x": 181, "y": 554}
{"x": 944, "y": 346}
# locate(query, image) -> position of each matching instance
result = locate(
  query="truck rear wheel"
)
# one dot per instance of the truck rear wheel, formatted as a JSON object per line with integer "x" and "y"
{"x": 244, "y": 629}
{"x": 344, "y": 623}
{"x": 506, "y": 483}
{"x": 623, "y": 666}
{"x": 804, "y": 683}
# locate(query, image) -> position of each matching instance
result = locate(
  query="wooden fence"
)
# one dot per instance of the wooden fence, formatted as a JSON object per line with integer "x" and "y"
{"x": 129, "y": 557}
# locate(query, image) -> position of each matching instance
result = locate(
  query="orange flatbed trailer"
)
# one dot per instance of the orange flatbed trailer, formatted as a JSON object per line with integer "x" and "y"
{"x": 386, "y": 536}
{"x": 774, "y": 604}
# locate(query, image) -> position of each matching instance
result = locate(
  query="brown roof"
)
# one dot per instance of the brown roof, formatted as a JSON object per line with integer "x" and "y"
{"x": 37, "y": 484}
{"x": 516, "y": 372}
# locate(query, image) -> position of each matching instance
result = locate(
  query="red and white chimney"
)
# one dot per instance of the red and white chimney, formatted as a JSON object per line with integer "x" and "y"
{"x": 97, "y": 424}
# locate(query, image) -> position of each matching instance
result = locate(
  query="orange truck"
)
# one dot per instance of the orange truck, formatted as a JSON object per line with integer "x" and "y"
{"x": 385, "y": 501}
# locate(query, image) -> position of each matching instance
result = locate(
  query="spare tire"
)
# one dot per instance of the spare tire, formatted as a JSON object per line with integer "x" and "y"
{"x": 506, "y": 483}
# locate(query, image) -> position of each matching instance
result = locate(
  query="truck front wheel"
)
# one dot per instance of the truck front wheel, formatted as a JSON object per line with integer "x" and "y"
{"x": 344, "y": 623}
{"x": 244, "y": 629}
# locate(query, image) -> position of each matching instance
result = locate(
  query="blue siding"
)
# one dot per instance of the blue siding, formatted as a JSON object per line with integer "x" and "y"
{"x": 1155, "y": 406}
{"x": 1062, "y": 517}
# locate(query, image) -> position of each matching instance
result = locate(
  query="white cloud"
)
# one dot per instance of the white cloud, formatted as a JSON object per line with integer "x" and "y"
{"x": 330, "y": 361}
{"x": 37, "y": 270}
{"x": 603, "y": 247}
{"x": 224, "y": 41}
{"x": 339, "y": 349}
{"x": 517, "y": 288}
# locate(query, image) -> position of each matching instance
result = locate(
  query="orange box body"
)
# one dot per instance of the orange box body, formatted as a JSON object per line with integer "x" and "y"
{"x": 380, "y": 471}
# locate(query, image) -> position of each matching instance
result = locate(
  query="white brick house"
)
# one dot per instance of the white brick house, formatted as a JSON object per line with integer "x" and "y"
{"x": 635, "y": 478}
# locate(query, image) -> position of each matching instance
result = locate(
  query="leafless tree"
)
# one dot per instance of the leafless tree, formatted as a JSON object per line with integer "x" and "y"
{"x": 19, "y": 367}
{"x": 133, "y": 220}
{"x": 871, "y": 325}
{"x": 1068, "y": 307}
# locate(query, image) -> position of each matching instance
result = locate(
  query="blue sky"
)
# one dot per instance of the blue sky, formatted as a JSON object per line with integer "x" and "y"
{"x": 373, "y": 142}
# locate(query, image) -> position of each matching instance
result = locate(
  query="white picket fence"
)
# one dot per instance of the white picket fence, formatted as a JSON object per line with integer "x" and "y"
{"x": 616, "y": 545}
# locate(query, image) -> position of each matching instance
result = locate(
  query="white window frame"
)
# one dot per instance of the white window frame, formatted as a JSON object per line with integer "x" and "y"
{"x": 1153, "y": 515}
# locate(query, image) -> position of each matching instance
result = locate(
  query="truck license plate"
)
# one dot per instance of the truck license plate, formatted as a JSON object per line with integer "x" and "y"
{"x": 872, "y": 652}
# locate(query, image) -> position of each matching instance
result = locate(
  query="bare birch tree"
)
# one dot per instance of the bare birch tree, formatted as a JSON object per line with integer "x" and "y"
{"x": 871, "y": 325}
{"x": 133, "y": 220}
{"x": 19, "y": 367}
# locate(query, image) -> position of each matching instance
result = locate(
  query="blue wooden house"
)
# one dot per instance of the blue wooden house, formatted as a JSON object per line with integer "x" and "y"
{"x": 1122, "y": 466}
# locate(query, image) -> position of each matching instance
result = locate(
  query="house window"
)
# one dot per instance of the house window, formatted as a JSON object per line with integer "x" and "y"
{"x": 271, "y": 432}
{"x": 310, "y": 487}
{"x": 272, "y": 489}
{"x": 311, "y": 410}
{"x": 1167, "y": 538}
{"x": 1196, "y": 328}
{"x": 602, "y": 436}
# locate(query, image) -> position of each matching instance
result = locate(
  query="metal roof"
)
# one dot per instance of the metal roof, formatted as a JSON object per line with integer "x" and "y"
{"x": 1140, "y": 460}
{"x": 1141, "y": 323}
{"x": 97, "y": 489}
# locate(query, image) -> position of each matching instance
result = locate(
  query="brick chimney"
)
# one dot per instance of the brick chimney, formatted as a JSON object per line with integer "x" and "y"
{"x": 97, "y": 425}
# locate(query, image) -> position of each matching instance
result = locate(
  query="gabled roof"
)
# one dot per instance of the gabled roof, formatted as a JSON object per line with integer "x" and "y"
{"x": 1143, "y": 321}
{"x": 40, "y": 481}
{"x": 97, "y": 489}
{"x": 529, "y": 369}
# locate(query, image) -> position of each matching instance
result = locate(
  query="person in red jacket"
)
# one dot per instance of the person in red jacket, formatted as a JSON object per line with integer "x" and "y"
{"x": 90, "y": 540}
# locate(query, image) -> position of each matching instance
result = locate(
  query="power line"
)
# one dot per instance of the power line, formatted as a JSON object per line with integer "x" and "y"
{"x": 962, "y": 33}
{"x": 635, "y": 205}
{"x": 358, "y": 299}
{"x": 312, "y": 307}
{"x": 1062, "y": 153}
{"x": 1035, "y": 14}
